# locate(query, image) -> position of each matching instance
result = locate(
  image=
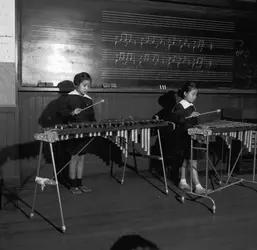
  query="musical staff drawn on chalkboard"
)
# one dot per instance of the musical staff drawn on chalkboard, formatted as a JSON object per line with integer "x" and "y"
{"x": 165, "y": 41}
{"x": 140, "y": 19}
{"x": 165, "y": 75}
{"x": 137, "y": 59}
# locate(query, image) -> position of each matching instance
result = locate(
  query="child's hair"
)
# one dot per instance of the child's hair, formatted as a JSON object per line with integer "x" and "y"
{"x": 133, "y": 242}
{"x": 187, "y": 87}
{"x": 79, "y": 78}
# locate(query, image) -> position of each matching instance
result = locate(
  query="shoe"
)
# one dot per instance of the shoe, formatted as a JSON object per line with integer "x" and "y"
{"x": 75, "y": 190}
{"x": 85, "y": 189}
{"x": 202, "y": 190}
{"x": 184, "y": 186}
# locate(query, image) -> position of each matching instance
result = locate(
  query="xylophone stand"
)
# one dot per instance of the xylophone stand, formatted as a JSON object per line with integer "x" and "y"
{"x": 207, "y": 161}
{"x": 149, "y": 156}
{"x": 254, "y": 163}
{"x": 63, "y": 228}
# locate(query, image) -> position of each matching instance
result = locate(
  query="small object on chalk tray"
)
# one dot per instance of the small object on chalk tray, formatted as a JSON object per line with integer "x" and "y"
{"x": 109, "y": 85}
{"x": 44, "y": 181}
{"x": 113, "y": 85}
{"x": 106, "y": 85}
{"x": 44, "y": 84}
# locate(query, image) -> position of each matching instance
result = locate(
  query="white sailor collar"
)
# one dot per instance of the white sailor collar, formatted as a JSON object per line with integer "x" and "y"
{"x": 186, "y": 104}
{"x": 75, "y": 92}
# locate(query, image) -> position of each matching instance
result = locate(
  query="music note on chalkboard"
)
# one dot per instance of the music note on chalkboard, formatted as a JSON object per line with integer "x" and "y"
{"x": 201, "y": 45}
{"x": 155, "y": 59}
{"x": 156, "y": 41}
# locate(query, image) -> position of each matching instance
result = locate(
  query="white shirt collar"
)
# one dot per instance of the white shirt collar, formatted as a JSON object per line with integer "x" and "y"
{"x": 75, "y": 92}
{"x": 185, "y": 103}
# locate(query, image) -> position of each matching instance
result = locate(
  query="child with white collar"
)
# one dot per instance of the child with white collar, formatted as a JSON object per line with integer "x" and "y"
{"x": 186, "y": 110}
{"x": 73, "y": 111}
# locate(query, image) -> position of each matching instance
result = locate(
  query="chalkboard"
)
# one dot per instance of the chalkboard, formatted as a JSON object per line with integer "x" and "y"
{"x": 137, "y": 44}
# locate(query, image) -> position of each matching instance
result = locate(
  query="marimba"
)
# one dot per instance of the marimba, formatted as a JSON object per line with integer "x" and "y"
{"x": 121, "y": 132}
{"x": 228, "y": 130}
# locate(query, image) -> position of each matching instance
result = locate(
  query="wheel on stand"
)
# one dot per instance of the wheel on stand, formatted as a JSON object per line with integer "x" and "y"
{"x": 31, "y": 215}
{"x": 183, "y": 199}
{"x": 214, "y": 209}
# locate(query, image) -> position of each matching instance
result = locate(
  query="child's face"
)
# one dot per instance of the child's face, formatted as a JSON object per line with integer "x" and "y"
{"x": 83, "y": 87}
{"x": 191, "y": 95}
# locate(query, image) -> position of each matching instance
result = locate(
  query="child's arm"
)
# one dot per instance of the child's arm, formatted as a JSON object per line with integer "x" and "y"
{"x": 178, "y": 114}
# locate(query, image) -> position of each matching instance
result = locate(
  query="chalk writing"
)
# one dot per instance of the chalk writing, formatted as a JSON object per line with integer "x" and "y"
{"x": 156, "y": 41}
{"x": 141, "y": 59}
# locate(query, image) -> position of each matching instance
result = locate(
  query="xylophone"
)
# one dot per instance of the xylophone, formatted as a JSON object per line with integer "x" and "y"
{"x": 245, "y": 132}
{"x": 228, "y": 130}
{"x": 116, "y": 130}
{"x": 121, "y": 132}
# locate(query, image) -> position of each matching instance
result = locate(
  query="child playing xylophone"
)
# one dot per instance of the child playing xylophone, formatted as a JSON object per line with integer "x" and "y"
{"x": 74, "y": 109}
{"x": 186, "y": 110}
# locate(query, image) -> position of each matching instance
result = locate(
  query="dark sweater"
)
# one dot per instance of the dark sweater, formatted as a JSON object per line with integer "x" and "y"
{"x": 73, "y": 101}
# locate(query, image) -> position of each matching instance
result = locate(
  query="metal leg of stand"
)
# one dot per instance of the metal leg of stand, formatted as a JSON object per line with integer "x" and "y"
{"x": 110, "y": 156}
{"x": 206, "y": 173}
{"x": 124, "y": 170}
{"x": 163, "y": 165}
{"x": 38, "y": 170}
{"x": 134, "y": 156}
{"x": 57, "y": 188}
{"x": 254, "y": 155}
{"x": 230, "y": 172}
{"x": 229, "y": 159}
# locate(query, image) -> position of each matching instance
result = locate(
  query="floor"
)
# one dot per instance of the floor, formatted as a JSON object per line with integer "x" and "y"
{"x": 96, "y": 220}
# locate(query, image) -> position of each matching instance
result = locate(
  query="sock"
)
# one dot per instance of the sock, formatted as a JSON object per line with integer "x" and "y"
{"x": 73, "y": 182}
{"x": 79, "y": 182}
{"x": 198, "y": 186}
{"x": 183, "y": 181}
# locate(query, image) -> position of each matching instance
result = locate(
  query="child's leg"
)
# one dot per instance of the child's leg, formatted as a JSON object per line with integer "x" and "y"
{"x": 80, "y": 168}
{"x": 198, "y": 187}
{"x": 183, "y": 169}
{"x": 73, "y": 167}
{"x": 183, "y": 183}
{"x": 72, "y": 175}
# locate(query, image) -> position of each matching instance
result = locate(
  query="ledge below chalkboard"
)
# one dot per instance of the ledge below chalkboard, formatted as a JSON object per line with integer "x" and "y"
{"x": 124, "y": 90}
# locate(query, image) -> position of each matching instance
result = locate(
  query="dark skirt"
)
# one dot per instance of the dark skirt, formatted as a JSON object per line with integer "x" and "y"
{"x": 197, "y": 154}
{"x": 78, "y": 146}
